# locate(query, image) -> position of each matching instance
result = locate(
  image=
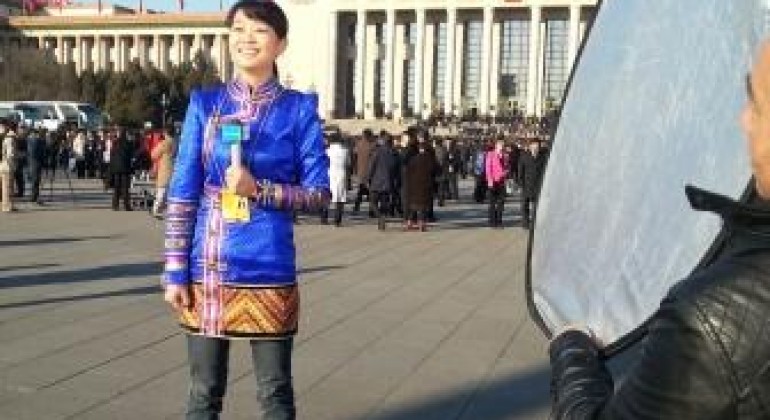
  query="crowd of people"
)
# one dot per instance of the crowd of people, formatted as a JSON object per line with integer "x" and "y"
{"x": 30, "y": 156}
{"x": 404, "y": 175}
{"x": 407, "y": 175}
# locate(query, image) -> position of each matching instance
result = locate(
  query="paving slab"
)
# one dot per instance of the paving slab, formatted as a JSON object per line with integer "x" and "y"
{"x": 394, "y": 325}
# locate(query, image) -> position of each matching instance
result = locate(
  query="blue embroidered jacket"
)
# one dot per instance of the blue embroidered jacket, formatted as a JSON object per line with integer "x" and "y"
{"x": 282, "y": 148}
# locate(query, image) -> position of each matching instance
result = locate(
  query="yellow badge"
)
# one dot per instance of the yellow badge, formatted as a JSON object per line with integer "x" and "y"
{"x": 234, "y": 207}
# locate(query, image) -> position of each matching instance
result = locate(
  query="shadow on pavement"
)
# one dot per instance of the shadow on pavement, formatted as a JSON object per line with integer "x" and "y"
{"x": 520, "y": 395}
{"x": 146, "y": 290}
{"x": 26, "y": 267}
{"x": 109, "y": 272}
{"x": 320, "y": 269}
{"x": 48, "y": 241}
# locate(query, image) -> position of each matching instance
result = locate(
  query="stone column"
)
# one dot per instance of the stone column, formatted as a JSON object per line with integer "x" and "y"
{"x": 60, "y": 54}
{"x": 428, "y": 70}
{"x": 573, "y": 38}
{"x": 372, "y": 54}
{"x": 494, "y": 85}
{"x": 225, "y": 58}
{"x": 534, "y": 58}
{"x": 331, "y": 88}
{"x": 196, "y": 46}
{"x": 459, "y": 47}
{"x": 419, "y": 62}
{"x": 360, "y": 61}
{"x": 98, "y": 53}
{"x": 400, "y": 78}
{"x": 177, "y": 49}
{"x": 541, "y": 69}
{"x": 451, "y": 29}
{"x": 390, "y": 35}
{"x": 157, "y": 52}
{"x": 486, "y": 58}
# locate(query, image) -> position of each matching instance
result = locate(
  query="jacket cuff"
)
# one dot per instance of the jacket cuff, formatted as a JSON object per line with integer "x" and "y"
{"x": 179, "y": 278}
{"x": 572, "y": 340}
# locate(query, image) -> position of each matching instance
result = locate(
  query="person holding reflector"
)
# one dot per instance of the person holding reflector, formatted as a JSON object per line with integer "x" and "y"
{"x": 707, "y": 350}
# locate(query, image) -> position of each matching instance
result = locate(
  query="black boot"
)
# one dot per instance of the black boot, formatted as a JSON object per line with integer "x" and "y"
{"x": 338, "y": 215}
{"x": 325, "y": 216}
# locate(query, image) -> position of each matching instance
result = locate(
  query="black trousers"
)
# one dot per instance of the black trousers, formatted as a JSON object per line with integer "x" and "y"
{"x": 480, "y": 189}
{"x": 339, "y": 209}
{"x": 35, "y": 175}
{"x": 496, "y": 205}
{"x": 363, "y": 190}
{"x": 121, "y": 184}
{"x": 381, "y": 204}
{"x": 80, "y": 168}
{"x": 528, "y": 207}
{"x": 18, "y": 177}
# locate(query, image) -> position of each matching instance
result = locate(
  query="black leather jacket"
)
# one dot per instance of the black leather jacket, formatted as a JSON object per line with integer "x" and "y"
{"x": 707, "y": 351}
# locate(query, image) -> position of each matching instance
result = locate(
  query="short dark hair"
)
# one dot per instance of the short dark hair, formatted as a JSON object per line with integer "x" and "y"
{"x": 263, "y": 10}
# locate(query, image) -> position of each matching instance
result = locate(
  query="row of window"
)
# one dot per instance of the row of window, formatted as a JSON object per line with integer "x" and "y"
{"x": 512, "y": 83}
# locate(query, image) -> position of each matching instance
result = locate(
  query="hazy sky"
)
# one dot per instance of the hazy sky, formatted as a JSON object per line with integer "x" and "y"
{"x": 189, "y": 5}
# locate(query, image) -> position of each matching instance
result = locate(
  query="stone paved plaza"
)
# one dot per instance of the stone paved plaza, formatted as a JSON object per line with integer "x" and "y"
{"x": 394, "y": 325}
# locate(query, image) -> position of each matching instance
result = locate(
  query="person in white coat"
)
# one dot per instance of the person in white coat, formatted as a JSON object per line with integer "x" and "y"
{"x": 339, "y": 167}
{"x": 7, "y": 167}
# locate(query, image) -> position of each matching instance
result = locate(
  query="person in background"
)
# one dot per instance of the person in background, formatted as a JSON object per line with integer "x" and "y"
{"x": 530, "y": 172}
{"x": 420, "y": 171}
{"x": 163, "y": 156}
{"x": 20, "y": 161}
{"x": 363, "y": 152}
{"x": 381, "y": 177}
{"x": 7, "y": 162}
{"x": 36, "y": 156}
{"x": 121, "y": 156}
{"x": 496, "y": 171}
{"x": 79, "y": 153}
{"x": 339, "y": 168}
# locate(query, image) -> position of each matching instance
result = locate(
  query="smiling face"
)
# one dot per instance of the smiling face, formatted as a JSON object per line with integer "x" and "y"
{"x": 254, "y": 45}
{"x": 755, "y": 120}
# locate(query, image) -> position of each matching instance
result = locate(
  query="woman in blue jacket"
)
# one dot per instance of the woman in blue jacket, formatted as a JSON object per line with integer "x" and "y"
{"x": 251, "y": 153}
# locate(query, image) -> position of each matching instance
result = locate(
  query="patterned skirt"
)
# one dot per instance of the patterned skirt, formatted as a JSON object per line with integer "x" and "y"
{"x": 244, "y": 312}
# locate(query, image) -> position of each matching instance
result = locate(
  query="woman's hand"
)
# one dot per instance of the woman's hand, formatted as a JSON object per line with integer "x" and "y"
{"x": 240, "y": 181}
{"x": 177, "y": 296}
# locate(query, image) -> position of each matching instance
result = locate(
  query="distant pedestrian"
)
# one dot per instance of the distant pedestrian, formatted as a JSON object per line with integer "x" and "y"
{"x": 79, "y": 153}
{"x": 20, "y": 159}
{"x": 381, "y": 177}
{"x": 121, "y": 156}
{"x": 339, "y": 172}
{"x": 162, "y": 155}
{"x": 530, "y": 173}
{"x": 420, "y": 173}
{"x": 496, "y": 172}
{"x": 36, "y": 156}
{"x": 7, "y": 162}
{"x": 363, "y": 152}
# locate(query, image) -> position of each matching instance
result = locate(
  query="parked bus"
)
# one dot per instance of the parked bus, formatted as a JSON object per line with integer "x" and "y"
{"x": 21, "y": 114}
{"x": 79, "y": 114}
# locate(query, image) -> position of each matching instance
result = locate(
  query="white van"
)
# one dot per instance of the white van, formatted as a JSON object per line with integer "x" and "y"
{"x": 21, "y": 114}
{"x": 55, "y": 113}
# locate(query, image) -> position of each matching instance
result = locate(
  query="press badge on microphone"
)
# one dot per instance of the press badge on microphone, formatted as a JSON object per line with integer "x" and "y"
{"x": 234, "y": 207}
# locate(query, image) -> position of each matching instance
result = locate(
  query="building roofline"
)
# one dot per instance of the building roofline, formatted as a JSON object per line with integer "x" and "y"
{"x": 116, "y": 21}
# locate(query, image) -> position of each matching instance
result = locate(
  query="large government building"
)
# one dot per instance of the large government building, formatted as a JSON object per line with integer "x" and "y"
{"x": 365, "y": 58}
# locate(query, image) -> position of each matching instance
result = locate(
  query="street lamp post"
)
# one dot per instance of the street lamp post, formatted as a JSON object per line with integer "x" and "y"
{"x": 163, "y": 103}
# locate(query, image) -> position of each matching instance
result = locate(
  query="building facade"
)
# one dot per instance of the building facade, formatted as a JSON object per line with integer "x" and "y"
{"x": 410, "y": 58}
{"x": 110, "y": 41}
{"x": 365, "y": 58}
